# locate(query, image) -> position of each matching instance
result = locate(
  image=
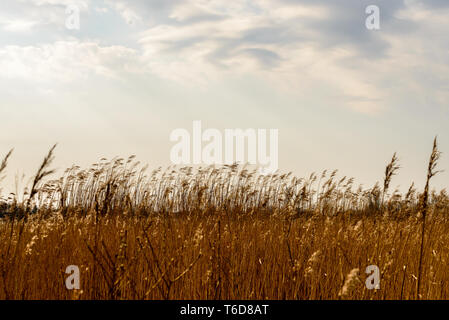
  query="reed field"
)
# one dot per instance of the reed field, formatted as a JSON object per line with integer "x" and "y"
{"x": 221, "y": 233}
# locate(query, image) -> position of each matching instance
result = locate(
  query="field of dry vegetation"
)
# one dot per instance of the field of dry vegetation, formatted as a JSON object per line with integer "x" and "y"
{"x": 221, "y": 233}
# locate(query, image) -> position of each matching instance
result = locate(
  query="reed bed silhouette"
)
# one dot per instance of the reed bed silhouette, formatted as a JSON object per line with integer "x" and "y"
{"x": 221, "y": 233}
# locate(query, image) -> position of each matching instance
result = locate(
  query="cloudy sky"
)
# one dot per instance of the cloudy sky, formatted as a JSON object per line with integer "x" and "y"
{"x": 342, "y": 96}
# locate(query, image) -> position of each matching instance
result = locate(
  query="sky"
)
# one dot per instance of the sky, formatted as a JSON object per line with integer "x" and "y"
{"x": 342, "y": 96}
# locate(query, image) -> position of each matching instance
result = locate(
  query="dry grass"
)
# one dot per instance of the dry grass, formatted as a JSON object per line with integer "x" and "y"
{"x": 224, "y": 233}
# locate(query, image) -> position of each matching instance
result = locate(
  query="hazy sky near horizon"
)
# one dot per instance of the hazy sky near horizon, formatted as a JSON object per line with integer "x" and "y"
{"x": 342, "y": 96}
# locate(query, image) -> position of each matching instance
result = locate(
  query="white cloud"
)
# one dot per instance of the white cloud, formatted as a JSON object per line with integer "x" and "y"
{"x": 102, "y": 10}
{"x": 273, "y": 44}
{"x": 80, "y": 3}
{"x": 129, "y": 14}
{"x": 18, "y": 25}
{"x": 300, "y": 47}
{"x": 28, "y": 16}
{"x": 65, "y": 61}
{"x": 283, "y": 42}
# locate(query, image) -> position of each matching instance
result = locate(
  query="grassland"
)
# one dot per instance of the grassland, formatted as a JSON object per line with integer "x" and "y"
{"x": 221, "y": 233}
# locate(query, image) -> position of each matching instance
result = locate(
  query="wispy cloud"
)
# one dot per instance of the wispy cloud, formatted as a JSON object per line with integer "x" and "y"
{"x": 299, "y": 46}
{"x": 65, "y": 62}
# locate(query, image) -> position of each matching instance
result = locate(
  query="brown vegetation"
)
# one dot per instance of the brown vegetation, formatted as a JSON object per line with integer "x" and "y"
{"x": 224, "y": 233}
